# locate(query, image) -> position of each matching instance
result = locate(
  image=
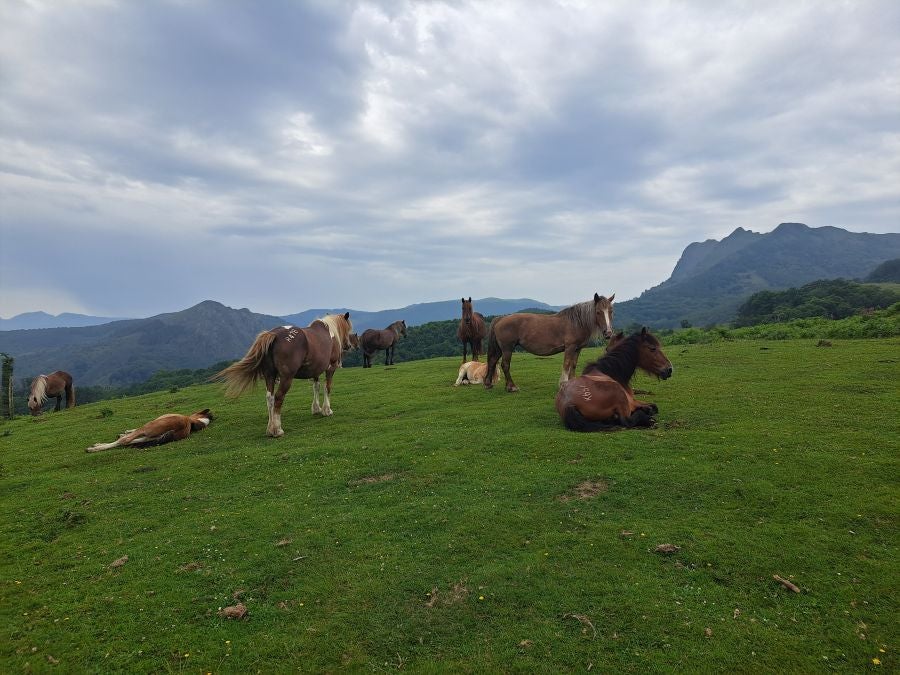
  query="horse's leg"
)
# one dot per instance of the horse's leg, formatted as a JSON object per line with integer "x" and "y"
{"x": 327, "y": 411}
{"x": 476, "y": 348}
{"x": 270, "y": 404}
{"x": 70, "y": 396}
{"x": 504, "y": 363}
{"x": 283, "y": 387}
{"x": 570, "y": 359}
{"x": 58, "y": 402}
{"x": 464, "y": 349}
{"x": 387, "y": 357}
{"x": 316, "y": 408}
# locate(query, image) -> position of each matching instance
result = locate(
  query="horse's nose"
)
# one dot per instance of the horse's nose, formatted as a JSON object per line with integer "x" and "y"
{"x": 607, "y": 333}
{"x": 666, "y": 373}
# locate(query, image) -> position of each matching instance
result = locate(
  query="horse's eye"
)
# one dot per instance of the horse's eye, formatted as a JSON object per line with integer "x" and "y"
{"x": 652, "y": 348}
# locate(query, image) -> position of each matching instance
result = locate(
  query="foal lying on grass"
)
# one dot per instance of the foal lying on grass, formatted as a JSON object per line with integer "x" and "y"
{"x": 163, "y": 429}
{"x": 472, "y": 372}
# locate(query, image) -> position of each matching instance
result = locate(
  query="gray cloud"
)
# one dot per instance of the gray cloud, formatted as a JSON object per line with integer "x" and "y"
{"x": 285, "y": 155}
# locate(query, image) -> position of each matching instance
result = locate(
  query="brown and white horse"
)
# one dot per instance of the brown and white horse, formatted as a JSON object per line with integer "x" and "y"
{"x": 472, "y": 372}
{"x": 602, "y": 398}
{"x": 285, "y": 353}
{"x": 372, "y": 340}
{"x": 471, "y": 329}
{"x": 569, "y": 331}
{"x": 51, "y": 386}
{"x": 164, "y": 429}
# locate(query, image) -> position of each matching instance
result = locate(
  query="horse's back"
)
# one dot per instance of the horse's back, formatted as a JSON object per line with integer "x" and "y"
{"x": 541, "y": 334}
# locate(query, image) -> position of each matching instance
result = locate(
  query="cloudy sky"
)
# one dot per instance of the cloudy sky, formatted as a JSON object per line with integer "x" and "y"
{"x": 287, "y": 155}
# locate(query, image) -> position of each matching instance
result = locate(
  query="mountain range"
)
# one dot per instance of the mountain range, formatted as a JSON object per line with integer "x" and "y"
{"x": 708, "y": 283}
{"x": 30, "y": 320}
{"x": 130, "y": 351}
{"x": 712, "y": 278}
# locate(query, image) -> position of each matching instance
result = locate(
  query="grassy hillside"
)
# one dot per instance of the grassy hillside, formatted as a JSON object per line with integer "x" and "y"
{"x": 430, "y": 527}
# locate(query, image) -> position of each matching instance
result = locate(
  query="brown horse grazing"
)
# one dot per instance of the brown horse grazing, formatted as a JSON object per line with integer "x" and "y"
{"x": 471, "y": 329}
{"x": 602, "y": 398}
{"x": 51, "y": 386}
{"x": 472, "y": 372}
{"x": 569, "y": 330}
{"x": 163, "y": 429}
{"x": 286, "y": 353}
{"x": 372, "y": 340}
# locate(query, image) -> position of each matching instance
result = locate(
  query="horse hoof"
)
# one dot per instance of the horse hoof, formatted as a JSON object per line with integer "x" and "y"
{"x": 512, "y": 390}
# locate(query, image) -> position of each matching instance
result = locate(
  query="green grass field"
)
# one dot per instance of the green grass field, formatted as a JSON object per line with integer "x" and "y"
{"x": 430, "y": 528}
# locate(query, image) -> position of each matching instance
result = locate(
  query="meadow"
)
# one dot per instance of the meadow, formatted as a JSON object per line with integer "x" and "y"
{"x": 430, "y": 528}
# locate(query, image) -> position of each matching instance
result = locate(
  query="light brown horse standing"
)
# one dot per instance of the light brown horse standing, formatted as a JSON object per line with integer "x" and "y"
{"x": 602, "y": 398}
{"x": 372, "y": 340}
{"x": 569, "y": 331}
{"x": 285, "y": 353}
{"x": 51, "y": 386}
{"x": 471, "y": 329}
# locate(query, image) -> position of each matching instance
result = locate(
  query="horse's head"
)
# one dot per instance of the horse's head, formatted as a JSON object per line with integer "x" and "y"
{"x": 38, "y": 394}
{"x": 401, "y": 327}
{"x": 354, "y": 341}
{"x": 201, "y": 419}
{"x": 603, "y": 314}
{"x": 467, "y": 311}
{"x": 346, "y": 333}
{"x": 651, "y": 358}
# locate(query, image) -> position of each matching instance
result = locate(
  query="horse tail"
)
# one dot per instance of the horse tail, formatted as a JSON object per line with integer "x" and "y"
{"x": 575, "y": 421}
{"x": 70, "y": 395}
{"x": 242, "y": 375}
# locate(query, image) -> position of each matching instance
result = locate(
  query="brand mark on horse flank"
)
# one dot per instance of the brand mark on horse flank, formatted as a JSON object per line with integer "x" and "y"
{"x": 291, "y": 334}
{"x": 586, "y": 393}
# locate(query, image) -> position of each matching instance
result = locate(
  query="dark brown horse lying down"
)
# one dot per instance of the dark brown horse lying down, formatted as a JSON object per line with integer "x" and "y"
{"x": 602, "y": 398}
{"x": 163, "y": 429}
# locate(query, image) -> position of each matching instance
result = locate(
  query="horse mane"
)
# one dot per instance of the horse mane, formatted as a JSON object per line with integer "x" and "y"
{"x": 337, "y": 326}
{"x": 39, "y": 388}
{"x": 618, "y": 363}
{"x": 583, "y": 316}
{"x": 395, "y": 327}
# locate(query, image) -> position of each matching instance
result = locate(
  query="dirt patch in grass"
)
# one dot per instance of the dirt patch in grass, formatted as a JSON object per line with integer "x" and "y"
{"x": 371, "y": 480}
{"x": 143, "y": 469}
{"x": 191, "y": 567}
{"x": 675, "y": 424}
{"x": 587, "y": 489}
{"x": 456, "y": 594}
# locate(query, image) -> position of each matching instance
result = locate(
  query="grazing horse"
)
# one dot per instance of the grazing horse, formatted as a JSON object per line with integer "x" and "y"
{"x": 471, "y": 329}
{"x": 372, "y": 340}
{"x": 602, "y": 398}
{"x": 163, "y": 429}
{"x": 51, "y": 386}
{"x": 569, "y": 331}
{"x": 286, "y": 353}
{"x": 472, "y": 372}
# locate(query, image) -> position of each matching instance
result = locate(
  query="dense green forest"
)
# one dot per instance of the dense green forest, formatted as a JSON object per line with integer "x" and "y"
{"x": 828, "y": 298}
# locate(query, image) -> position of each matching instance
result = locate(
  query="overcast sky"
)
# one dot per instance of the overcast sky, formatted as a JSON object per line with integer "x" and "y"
{"x": 288, "y": 155}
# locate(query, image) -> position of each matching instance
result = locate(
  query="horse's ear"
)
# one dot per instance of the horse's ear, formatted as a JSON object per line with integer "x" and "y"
{"x": 596, "y": 298}
{"x": 644, "y": 331}
{"x": 347, "y": 315}
{"x": 612, "y": 297}
{"x": 463, "y": 299}
{"x": 470, "y": 298}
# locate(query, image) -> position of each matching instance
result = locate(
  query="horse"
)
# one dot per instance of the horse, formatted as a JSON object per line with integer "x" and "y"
{"x": 569, "y": 331}
{"x": 471, "y": 329}
{"x": 372, "y": 340}
{"x": 163, "y": 429}
{"x": 472, "y": 372}
{"x": 602, "y": 398}
{"x": 288, "y": 352}
{"x": 49, "y": 386}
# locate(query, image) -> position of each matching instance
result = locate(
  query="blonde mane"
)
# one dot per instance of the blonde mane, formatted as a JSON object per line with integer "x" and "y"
{"x": 39, "y": 389}
{"x": 339, "y": 328}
